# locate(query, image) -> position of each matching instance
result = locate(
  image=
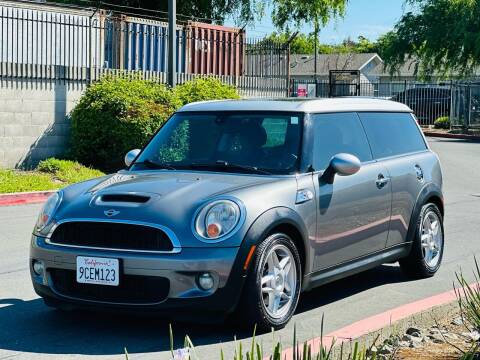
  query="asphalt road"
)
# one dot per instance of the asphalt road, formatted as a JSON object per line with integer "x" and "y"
{"x": 28, "y": 329}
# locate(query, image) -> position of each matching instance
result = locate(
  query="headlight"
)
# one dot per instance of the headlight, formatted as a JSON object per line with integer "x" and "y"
{"x": 48, "y": 210}
{"x": 217, "y": 219}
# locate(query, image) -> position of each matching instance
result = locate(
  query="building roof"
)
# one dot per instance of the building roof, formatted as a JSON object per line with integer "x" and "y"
{"x": 305, "y": 64}
{"x": 341, "y": 104}
{"x": 408, "y": 68}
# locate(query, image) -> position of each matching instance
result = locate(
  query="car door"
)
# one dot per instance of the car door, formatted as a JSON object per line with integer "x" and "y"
{"x": 398, "y": 144}
{"x": 353, "y": 213}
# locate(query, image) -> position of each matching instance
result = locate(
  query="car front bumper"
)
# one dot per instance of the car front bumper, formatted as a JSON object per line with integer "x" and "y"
{"x": 180, "y": 270}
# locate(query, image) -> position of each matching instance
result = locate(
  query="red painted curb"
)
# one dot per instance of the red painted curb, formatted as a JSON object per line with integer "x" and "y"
{"x": 452, "y": 136}
{"x": 24, "y": 198}
{"x": 374, "y": 323}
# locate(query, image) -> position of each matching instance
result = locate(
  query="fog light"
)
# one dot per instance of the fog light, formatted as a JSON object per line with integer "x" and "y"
{"x": 205, "y": 281}
{"x": 38, "y": 267}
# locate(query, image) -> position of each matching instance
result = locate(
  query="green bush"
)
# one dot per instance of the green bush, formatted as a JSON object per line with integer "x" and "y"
{"x": 116, "y": 115}
{"x": 442, "y": 123}
{"x": 201, "y": 89}
{"x": 67, "y": 171}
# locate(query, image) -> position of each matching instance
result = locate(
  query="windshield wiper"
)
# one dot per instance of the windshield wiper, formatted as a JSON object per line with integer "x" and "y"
{"x": 221, "y": 164}
{"x": 155, "y": 165}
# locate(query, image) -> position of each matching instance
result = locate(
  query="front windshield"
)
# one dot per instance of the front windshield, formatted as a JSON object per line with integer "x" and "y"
{"x": 266, "y": 143}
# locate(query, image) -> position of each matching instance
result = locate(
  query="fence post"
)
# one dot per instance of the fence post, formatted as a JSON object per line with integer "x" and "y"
{"x": 90, "y": 41}
{"x": 90, "y": 50}
{"x": 172, "y": 42}
{"x": 288, "y": 70}
{"x": 288, "y": 79}
{"x": 468, "y": 118}
{"x": 451, "y": 114}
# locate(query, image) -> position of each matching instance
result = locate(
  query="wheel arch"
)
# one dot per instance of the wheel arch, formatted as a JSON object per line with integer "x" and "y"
{"x": 437, "y": 200}
{"x": 284, "y": 220}
{"x": 430, "y": 193}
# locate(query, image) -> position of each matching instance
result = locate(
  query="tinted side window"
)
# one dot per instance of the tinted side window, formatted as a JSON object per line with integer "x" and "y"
{"x": 392, "y": 134}
{"x": 338, "y": 133}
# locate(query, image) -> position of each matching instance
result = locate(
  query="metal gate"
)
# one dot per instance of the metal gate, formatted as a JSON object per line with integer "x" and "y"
{"x": 465, "y": 105}
{"x": 344, "y": 83}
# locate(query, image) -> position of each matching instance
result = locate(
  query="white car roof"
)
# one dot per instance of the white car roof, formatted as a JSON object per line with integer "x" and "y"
{"x": 342, "y": 104}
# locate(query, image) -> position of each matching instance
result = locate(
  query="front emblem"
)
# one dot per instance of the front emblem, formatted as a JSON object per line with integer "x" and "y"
{"x": 111, "y": 212}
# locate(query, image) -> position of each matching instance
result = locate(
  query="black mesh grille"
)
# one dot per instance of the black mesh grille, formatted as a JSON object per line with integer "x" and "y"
{"x": 132, "y": 289}
{"x": 112, "y": 236}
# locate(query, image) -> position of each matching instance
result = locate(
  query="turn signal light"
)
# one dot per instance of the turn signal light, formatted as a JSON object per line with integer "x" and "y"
{"x": 213, "y": 230}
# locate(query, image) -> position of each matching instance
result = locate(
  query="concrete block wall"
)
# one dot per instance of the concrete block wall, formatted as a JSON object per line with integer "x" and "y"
{"x": 33, "y": 120}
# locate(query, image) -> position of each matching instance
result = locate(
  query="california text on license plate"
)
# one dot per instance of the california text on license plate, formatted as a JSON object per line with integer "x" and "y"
{"x": 100, "y": 271}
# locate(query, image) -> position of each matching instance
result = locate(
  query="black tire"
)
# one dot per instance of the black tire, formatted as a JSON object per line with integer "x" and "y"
{"x": 252, "y": 309}
{"x": 415, "y": 265}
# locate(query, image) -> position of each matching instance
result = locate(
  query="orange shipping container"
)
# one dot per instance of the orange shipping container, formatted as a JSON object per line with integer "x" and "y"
{"x": 215, "y": 49}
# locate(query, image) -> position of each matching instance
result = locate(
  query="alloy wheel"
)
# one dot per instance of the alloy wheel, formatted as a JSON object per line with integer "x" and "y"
{"x": 279, "y": 281}
{"x": 431, "y": 239}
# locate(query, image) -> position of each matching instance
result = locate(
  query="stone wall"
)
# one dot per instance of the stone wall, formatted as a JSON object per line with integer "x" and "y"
{"x": 33, "y": 120}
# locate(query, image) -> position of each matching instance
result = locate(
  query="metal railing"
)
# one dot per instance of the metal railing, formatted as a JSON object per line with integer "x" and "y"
{"x": 429, "y": 101}
{"x": 83, "y": 45}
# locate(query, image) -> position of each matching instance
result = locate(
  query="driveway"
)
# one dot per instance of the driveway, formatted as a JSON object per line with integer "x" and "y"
{"x": 28, "y": 329}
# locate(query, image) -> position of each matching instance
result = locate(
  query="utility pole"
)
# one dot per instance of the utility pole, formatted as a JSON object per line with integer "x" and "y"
{"x": 172, "y": 42}
{"x": 315, "y": 71}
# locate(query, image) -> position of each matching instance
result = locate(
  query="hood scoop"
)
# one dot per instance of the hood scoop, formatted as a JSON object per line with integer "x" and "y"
{"x": 124, "y": 198}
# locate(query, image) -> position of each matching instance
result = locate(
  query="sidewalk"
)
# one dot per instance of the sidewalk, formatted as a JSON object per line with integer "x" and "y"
{"x": 447, "y": 135}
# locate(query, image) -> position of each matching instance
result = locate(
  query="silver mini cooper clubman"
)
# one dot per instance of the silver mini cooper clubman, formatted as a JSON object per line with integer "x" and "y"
{"x": 242, "y": 205}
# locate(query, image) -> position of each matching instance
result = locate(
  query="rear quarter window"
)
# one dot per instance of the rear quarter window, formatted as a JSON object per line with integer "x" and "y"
{"x": 392, "y": 134}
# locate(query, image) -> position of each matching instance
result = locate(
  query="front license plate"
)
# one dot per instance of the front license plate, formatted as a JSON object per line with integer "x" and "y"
{"x": 100, "y": 271}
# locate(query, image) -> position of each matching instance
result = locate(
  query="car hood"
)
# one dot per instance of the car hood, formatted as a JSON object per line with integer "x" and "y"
{"x": 172, "y": 197}
{"x": 173, "y": 184}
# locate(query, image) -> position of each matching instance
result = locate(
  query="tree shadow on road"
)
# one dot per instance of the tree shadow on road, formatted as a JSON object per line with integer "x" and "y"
{"x": 30, "y": 326}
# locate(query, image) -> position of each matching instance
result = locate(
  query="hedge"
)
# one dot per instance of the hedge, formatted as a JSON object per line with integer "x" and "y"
{"x": 117, "y": 114}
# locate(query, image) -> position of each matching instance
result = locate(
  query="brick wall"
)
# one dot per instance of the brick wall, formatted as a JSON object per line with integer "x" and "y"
{"x": 33, "y": 120}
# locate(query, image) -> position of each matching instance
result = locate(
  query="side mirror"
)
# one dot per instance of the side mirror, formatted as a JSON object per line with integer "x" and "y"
{"x": 131, "y": 156}
{"x": 341, "y": 164}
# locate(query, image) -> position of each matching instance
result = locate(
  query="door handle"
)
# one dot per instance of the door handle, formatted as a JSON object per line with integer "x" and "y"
{"x": 381, "y": 181}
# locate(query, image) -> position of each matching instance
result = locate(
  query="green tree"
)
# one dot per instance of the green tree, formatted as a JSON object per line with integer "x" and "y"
{"x": 301, "y": 44}
{"x": 305, "y": 44}
{"x": 441, "y": 36}
{"x": 285, "y": 13}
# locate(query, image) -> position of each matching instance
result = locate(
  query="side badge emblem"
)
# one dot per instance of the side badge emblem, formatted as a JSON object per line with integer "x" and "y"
{"x": 419, "y": 173}
{"x": 111, "y": 212}
{"x": 303, "y": 195}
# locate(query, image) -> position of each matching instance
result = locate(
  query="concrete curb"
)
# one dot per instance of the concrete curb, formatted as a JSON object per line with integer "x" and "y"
{"x": 364, "y": 329}
{"x": 451, "y": 136}
{"x": 23, "y": 198}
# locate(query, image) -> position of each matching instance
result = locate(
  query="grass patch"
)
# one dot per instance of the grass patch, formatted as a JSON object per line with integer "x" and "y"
{"x": 18, "y": 181}
{"x": 51, "y": 174}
